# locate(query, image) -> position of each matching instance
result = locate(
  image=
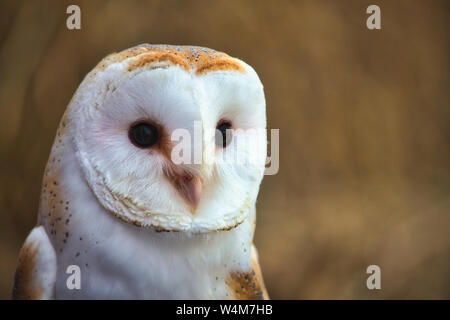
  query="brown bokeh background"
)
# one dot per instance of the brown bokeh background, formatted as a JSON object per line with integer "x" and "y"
{"x": 364, "y": 119}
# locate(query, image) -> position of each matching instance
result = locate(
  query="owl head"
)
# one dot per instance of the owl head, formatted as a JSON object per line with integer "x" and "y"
{"x": 157, "y": 132}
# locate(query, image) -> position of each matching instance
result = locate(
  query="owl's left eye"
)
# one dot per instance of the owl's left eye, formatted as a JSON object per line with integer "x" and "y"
{"x": 143, "y": 134}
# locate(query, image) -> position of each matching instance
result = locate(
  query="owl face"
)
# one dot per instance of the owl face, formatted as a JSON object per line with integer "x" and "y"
{"x": 139, "y": 111}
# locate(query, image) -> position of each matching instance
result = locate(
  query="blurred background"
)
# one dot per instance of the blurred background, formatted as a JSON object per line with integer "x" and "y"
{"x": 364, "y": 119}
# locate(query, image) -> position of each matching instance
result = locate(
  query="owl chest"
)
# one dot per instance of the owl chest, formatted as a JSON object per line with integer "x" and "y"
{"x": 123, "y": 262}
{"x": 111, "y": 259}
{"x": 107, "y": 276}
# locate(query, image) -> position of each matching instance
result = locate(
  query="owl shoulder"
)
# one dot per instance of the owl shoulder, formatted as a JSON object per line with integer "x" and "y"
{"x": 248, "y": 285}
{"x": 35, "y": 275}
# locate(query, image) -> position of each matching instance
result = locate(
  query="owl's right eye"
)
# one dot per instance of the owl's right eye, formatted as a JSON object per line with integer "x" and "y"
{"x": 143, "y": 134}
{"x": 224, "y": 134}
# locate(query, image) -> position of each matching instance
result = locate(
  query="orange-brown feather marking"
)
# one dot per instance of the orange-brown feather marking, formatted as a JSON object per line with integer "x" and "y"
{"x": 153, "y": 57}
{"x": 258, "y": 273}
{"x": 248, "y": 285}
{"x": 201, "y": 60}
{"x": 244, "y": 286}
{"x": 24, "y": 286}
{"x": 223, "y": 64}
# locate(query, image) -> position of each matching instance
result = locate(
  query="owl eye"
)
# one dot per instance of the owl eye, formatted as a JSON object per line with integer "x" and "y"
{"x": 224, "y": 134}
{"x": 143, "y": 134}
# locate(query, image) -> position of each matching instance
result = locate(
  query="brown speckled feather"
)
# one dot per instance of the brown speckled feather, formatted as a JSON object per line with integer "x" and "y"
{"x": 24, "y": 286}
{"x": 36, "y": 268}
{"x": 248, "y": 285}
{"x": 200, "y": 60}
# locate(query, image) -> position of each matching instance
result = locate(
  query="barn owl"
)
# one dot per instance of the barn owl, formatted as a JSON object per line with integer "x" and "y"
{"x": 136, "y": 224}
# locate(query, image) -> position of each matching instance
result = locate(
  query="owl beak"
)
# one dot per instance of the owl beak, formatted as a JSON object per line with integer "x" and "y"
{"x": 190, "y": 187}
{"x": 193, "y": 190}
{"x": 188, "y": 183}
